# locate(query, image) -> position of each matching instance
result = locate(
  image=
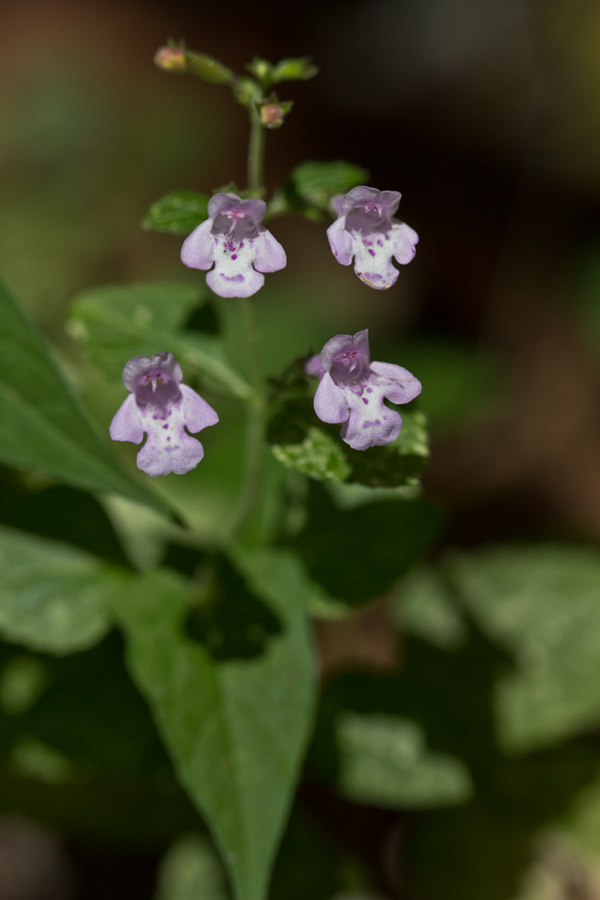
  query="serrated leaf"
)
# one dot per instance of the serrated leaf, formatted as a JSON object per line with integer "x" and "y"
{"x": 318, "y": 456}
{"x": 542, "y": 603}
{"x": 42, "y": 426}
{"x": 117, "y": 322}
{"x": 53, "y": 598}
{"x": 384, "y": 761}
{"x": 236, "y": 730}
{"x": 178, "y": 212}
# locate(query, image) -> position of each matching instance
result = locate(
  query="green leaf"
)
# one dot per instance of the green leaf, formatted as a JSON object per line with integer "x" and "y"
{"x": 318, "y": 456}
{"x": 236, "y": 730}
{"x": 117, "y": 322}
{"x": 53, "y": 597}
{"x": 357, "y": 555}
{"x": 312, "y": 185}
{"x": 190, "y": 871}
{"x": 384, "y": 761}
{"x": 178, "y": 212}
{"x": 42, "y": 426}
{"x": 317, "y": 182}
{"x": 298, "y": 69}
{"x": 422, "y": 605}
{"x": 542, "y": 603}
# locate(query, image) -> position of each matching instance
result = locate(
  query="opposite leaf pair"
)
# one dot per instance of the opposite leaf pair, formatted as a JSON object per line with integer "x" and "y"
{"x": 237, "y": 249}
{"x": 352, "y": 390}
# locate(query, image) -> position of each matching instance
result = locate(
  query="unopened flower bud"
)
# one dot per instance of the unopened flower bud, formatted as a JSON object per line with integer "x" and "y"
{"x": 271, "y": 115}
{"x": 171, "y": 59}
{"x": 272, "y": 112}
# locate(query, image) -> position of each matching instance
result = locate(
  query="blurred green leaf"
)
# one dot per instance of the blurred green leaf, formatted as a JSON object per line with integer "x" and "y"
{"x": 117, "y": 322}
{"x": 178, "y": 212}
{"x": 317, "y": 182}
{"x": 190, "y": 871}
{"x": 41, "y": 424}
{"x": 298, "y": 69}
{"x": 22, "y": 681}
{"x": 236, "y": 729}
{"x": 357, "y": 554}
{"x": 542, "y": 602}
{"x": 312, "y": 185}
{"x": 384, "y": 762}
{"x": 53, "y": 597}
{"x": 422, "y": 605}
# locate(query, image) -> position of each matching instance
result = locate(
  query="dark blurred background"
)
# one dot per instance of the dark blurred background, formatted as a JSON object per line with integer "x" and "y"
{"x": 485, "y": 115}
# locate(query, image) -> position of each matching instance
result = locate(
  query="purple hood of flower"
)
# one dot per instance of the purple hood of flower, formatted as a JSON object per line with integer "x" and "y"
{"x": 234, "y": 246}
{"x": 162, "y": 407}
{"x": 366, "y": 232}
{"x": 352, "y": 390}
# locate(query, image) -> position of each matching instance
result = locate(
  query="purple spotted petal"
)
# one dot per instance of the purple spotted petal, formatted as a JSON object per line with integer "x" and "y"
{"x": 270, "y": 255}
{"x": 404, "y": 240}
{"x": 198, "y": 250}
{"x": 340, "y": 242}
{"x": 197, "y": 413}
{"x": 127, "y": 423}
{"x": 398, "y": 384}
{"x": 330, "y": 401}
{"x": 373, "y": 259}
{"x": 371, "y": 423}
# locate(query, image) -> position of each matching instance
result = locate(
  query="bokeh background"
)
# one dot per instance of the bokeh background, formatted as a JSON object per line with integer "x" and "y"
{"x": 486, "y": 116}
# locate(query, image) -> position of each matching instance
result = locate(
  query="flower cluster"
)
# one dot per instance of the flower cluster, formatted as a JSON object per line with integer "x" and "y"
{"x": 162, "y": 407}
{"x": 352, "y": 390}
{"x": 238, "y": 250}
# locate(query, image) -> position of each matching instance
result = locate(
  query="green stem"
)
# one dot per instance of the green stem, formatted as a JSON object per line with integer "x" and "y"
{"x": 255, "y": 424}
{"x": 256, "y": 155}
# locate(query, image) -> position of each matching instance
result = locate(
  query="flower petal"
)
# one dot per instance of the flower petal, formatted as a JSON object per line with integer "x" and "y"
{"x": 233, "y": 275}
{"x": 371, "y": 423}
{"x": 197, "y": 413}
{"x": 198, "y": 250}
{"x": 221, "y": 202}
{"x": 169, "y": 448}
{"x": 404, "y": 240}
{"x": 373, "y": 259}
{"x": 127, "y": 422}
{"x": 313, "y": 367}
{"x": 331, "y": 404}
{"x": 270, "y": 255}
{"x": 397, "y": 383}
{"x": 340, "y": 241}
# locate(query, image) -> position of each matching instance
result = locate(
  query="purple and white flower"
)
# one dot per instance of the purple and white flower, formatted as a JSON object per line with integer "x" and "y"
{"x": 352, "y": 391}
{"x": 162, "y": 407}
{"x": 366, "y": 231}
{"x": 240, "y": 248}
